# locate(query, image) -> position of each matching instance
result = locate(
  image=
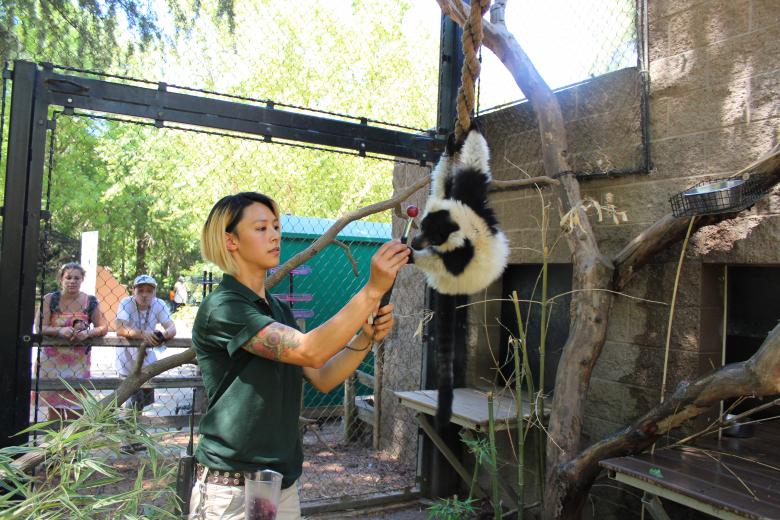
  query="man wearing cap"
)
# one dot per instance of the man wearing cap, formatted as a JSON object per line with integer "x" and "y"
{"x": 137, "y": 318}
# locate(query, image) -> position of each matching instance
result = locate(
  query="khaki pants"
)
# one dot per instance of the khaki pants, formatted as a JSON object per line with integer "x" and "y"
{"x": 215, "y": 502}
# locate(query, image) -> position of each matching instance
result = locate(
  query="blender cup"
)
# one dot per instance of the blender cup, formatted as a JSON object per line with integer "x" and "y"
{"x": 261, "y": 494}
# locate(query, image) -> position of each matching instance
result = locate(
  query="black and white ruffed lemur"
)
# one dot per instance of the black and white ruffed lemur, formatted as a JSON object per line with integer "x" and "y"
{"x": 459, "y": 247}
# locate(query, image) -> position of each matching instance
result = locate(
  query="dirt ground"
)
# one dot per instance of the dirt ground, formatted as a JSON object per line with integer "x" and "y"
{"x": 332, "y": 469}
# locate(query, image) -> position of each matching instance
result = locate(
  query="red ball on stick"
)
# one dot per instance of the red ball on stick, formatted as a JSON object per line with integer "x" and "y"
{"x": 412, "y": 211}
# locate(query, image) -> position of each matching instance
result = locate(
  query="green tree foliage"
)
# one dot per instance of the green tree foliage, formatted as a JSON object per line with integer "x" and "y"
{"x": 148, "y": 190}
{"x": 92, "y": 33}
{"x": 84, "y": 33}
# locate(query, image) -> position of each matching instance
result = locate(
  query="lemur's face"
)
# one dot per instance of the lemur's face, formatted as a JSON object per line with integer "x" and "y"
{"x": 435, "y": 229}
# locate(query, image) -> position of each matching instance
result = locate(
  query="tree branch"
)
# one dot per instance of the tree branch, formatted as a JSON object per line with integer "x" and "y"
{"x": 348, "y": 252}
{"x": 133, "y": 382}
{"x": 139, "y": 360}
{"x": 330, "y": 235}
{"x": 758, "y": 376}
{"x": 522, "y": 183}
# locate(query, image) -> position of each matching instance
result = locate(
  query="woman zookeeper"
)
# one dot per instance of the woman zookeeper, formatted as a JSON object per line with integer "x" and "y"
{"x": 253, "y": 358}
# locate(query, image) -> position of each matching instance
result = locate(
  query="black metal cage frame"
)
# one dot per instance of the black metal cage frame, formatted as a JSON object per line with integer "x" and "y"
{"x": 36, "y": 88}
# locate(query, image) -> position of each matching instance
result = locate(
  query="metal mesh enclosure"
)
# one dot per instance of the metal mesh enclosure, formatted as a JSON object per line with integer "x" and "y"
{"x": 594, "y": 122}
{"x": 154, "y": 204}
{"x": 568, "y": 42}
{"x": 588, "y": 52}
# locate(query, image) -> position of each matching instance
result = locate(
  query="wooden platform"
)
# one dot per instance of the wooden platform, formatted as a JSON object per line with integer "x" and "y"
{"x": 469, "y": 407}
{"x": 731, "y": 478}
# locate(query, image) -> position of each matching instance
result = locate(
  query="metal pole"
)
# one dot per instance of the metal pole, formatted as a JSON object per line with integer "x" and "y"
{"x": 21, "y": 227}
{"x": 436, "y": 478}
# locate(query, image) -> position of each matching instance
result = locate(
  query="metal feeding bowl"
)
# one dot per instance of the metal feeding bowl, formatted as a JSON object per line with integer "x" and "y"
{"x": 714, "y": 195}
{"x": 721, "y": 196}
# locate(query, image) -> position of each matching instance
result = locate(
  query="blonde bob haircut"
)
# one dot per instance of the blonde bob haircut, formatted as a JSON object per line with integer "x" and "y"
{"x": 223, "y": 218}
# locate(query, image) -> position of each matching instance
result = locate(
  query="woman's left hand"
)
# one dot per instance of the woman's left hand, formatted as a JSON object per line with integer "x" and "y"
{"x": 382, "y": 324}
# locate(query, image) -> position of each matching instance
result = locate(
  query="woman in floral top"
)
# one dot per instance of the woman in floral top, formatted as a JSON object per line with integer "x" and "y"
{"x": 68, "y": 313}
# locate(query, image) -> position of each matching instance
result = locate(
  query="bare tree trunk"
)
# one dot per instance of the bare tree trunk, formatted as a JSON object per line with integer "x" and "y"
{"x": 140, "y": 252}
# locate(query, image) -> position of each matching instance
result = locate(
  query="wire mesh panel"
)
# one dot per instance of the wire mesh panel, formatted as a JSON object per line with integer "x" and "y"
{"x": 568, "y": 43}
{"x": 146, "y": 191}
{"x": 589, "y": 53}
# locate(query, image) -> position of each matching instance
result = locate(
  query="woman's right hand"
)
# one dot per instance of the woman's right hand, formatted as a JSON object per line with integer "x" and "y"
{"x": 65, "y": 332}
{"x": 385, "y": 265}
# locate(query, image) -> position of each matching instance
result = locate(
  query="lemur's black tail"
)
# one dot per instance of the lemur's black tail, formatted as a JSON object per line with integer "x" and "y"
{"x": 445, "y": 350}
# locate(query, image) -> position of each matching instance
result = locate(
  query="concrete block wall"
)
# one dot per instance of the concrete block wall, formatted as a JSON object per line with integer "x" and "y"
{"x": 714, "y": 107}
{"x": 714, "y": 72}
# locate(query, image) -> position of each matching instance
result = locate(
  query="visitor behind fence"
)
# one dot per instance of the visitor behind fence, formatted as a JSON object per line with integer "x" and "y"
{"x": 179, "y": 293}
{"x": 137, "y": 318}
{"x": 253, "y": 358}
{"x": 75, "y": 316}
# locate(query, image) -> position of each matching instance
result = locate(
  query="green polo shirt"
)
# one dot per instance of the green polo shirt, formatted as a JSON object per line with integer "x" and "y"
{"x": 254, "y": 403}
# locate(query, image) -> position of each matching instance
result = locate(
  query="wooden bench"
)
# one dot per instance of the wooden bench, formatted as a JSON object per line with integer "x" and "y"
{"x": 470, "y": 411}
{"x": 731, "y": 478}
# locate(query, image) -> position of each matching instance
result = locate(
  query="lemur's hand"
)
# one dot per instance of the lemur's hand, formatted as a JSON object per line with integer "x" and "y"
{"x": 454, "y": 145}
{"x": 385, "y": 265}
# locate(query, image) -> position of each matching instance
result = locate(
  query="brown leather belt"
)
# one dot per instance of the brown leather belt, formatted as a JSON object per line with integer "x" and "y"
{"x": 222, "y": 478}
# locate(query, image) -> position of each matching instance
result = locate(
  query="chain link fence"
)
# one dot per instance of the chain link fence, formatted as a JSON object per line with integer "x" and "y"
{"x": 146, "y": 188}
{"x": 146, "y": 191}
{"x": 590, "y": 54}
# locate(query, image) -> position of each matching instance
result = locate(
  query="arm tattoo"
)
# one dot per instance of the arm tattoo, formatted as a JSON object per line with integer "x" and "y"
{"x": 272, "y": 341}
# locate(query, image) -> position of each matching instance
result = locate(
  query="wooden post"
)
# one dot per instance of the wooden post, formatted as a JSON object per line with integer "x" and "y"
{"x": 350, "y": 414}
{"x": 379, "y": 361}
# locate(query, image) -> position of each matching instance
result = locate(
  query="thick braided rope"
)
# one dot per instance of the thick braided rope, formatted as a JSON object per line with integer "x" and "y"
{"x": 471, "y": 41}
